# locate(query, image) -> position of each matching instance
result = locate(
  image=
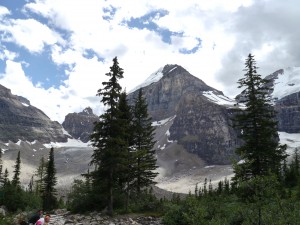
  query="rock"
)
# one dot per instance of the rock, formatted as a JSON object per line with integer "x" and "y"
{"x": 21, "y": 121}
{"x": 80, "y": 125}
{"x": 200, "y": 126}
{"x": 3, "y": 210}
{"x": 96, "y": 218}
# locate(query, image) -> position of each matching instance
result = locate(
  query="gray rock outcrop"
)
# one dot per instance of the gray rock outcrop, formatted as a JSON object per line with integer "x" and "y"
{"x": 80, "y": 125}
{"x": 21, "y": 121}
{"x": 288, "y": 106}
{"x": 201, "y": 125}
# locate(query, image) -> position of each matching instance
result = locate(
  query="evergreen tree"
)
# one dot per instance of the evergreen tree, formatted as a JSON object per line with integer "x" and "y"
{"x": 6, "y": 180}
{"x": 30, "y": 185}
{"x": 125, "y": 117}
{"x": 40, "y": 174}
{"x": 143, "y": 144}
{"x": 106, "y": 139}
{"x": 261, "y": 152}
{"x": 16, "y": 178}
{"x": 1, "y": 168}
{"x": 50, "y": 180}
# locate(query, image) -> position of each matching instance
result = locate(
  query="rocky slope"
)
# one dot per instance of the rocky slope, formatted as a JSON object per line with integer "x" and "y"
{"x": 201, "y": 114}
{"x": 80, "y": 125}
{"x": 21, "y": 121}
{"x": 286, "y": 85}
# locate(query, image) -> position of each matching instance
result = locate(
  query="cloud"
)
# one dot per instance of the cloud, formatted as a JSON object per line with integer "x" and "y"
{"x": 3, "y": 11}
{"x": 269, "y": 31}
{"x": 51, "y": 101}
{"x": 29, "y": 33}
{"x": 209, "y": 38}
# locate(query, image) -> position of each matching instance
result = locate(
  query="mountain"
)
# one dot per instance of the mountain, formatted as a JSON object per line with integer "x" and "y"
{"x": 80, "y": 125}
{"x": 197, "y": 115}
{"x": 21, "y": 121}
{"x": 286, "y": 85}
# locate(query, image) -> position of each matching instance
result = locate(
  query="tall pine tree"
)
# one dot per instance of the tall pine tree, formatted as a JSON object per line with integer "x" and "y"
{"x": 40, "y": 174}
{"x": 143, "y": 143}
{"x": 50, "y": 180}
{"x": 107, "y": 139}
{"x": 261, "y": 152}
{"x": 16, "y": 178}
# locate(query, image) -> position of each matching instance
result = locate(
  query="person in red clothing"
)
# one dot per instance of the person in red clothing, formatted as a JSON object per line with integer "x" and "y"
{"x": 43, "y": 221}
{"x": 35, "y": 217}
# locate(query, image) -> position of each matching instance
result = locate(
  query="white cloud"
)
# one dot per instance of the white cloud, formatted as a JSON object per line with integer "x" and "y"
{"x": 228, "y": 32}
{"x": 56, "y": 103}
{"x": 3, "y": 11}
{"x": 29, "y": 33}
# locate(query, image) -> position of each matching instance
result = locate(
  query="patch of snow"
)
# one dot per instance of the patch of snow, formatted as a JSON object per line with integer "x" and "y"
{"x": 34, "y": 150}
{"x": 172, "y": 69}
{"x": 19, "y": 142}
{"x": 24, "y": 104}
{"x": 219, "y": 99}
{"x": 207, "y": 167}
{"x": 162, "y": 122}
{"x": 168, "y": 133}
{"x": 291, "y": 140}
{"x": 69, "y": 143}
{"x": 35, "y": 141}
{"x": 66, "y": 132}
{"x": 287, "y": 83}
{"x": 163, "y": 147}
{"x": 86, "y": 111}
{"x": 154, "y": 77}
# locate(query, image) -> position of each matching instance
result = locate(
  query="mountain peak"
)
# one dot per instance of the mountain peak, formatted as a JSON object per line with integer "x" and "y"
{"x": 169, "y": 69}
{"x": 172, "y": 68}
{"x": 87, "y": 111}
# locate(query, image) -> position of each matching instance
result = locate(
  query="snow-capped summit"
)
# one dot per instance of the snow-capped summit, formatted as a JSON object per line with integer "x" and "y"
{"x": 286, "y": 82}
{"x": 154, "y": 77}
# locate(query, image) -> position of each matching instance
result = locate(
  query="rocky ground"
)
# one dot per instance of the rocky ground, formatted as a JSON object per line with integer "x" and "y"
{"x": 61, "y": 217}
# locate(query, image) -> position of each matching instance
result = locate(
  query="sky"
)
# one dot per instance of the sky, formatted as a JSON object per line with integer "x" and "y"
{"x": 56, "y": 52}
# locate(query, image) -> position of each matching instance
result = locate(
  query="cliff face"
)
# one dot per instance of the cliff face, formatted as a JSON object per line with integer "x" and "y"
{"x": 286, "y": 94}
{"x": 21, "y": 121}
{"x": 201, "y": 125}
{"x": 288, "y": 109}
{"x": 80, "y": 125}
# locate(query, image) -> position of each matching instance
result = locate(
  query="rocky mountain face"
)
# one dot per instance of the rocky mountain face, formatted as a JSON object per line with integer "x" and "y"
{"x": 21, "y": 121}
{"x": 201, "y": 114}
{"x": 80, "y": 125}
{"x": 286, "y": 85}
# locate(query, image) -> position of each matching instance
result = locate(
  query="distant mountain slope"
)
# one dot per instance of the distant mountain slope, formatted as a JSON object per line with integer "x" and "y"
{"x": 21, "y": 121}
{"x": 286, "y": 84}
{"x": 80, "y": 125}
{"x": 201, "y": 123}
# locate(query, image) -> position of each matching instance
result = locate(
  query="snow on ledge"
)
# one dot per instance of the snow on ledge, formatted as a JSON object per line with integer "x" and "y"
{"x": 219, "y": 99}
{"x": 154, "y": 77}
{"x": 162, "y": 122}
{"x": 69, "y": 143}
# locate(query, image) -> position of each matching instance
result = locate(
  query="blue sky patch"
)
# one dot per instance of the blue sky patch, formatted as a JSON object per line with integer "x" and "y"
{"x": 193, "y": 50}
{"x": 148, "y": 21}
{"x": 109, "y": 13}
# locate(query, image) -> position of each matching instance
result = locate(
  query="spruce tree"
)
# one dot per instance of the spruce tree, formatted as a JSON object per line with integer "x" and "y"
{"x": 16, "y": 178}
{"x": 40, "y": 174}
{"x": 143, "y": 143}
{"x": 50, "y": 180}
{"x": 6, "y": 180}
{"x": 261, "y": 152}
{"x": 106, "y": 139}
{"x": 1, "y": 168}
{"x": 126, "y": 175}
